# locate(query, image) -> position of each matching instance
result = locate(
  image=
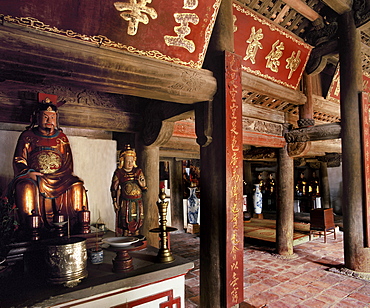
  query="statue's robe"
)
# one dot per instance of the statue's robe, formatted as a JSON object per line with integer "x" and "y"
{"x": 58, "y": 190}
{"x": 129, "y": 186}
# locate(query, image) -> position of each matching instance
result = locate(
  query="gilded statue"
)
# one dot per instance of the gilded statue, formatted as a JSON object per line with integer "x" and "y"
{"x": 44, "y": 183}
{"x": 128, "y": 185}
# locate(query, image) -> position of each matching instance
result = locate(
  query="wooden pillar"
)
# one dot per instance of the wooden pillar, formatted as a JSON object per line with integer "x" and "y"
{"x": 306, "y": 110}
{"x": 218, "y": 197}
{"x": 356, "y": 256}
{"x": 176, "y": 186}
{"x": 324, "y": 186}
{"x": 148, "y": 160}
{"x": 285, "y": 203}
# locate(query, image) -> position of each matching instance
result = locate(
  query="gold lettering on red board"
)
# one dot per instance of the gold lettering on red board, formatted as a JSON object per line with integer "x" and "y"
{"x": 274, "y": 56}
{"x": 254, "y": 45}
{"x": 190, "y": 4}
{"x": 293, "y": 62}
{"x": 134, "y": 13}
{"x": 183, "y": 30}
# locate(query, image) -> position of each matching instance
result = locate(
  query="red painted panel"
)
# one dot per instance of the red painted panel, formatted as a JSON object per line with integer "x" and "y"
{"x": 268, "y": 50}
{"x": 184, "y": 129}
{"x": 265, "y": 140}
{"x": 177, "y": 31}
{"x": 334, "y": 90}
{"x": 234, "y": 180}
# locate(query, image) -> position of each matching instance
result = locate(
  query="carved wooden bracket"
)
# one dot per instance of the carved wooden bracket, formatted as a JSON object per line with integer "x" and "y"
{"x": 314, "y": 133}
{"x": 362, "y": 12}
{"x": 298, "y": 149}
{"x": 159, "y": 120}
{"x": 203, "y": 123}
{"x": 331, "y": 159}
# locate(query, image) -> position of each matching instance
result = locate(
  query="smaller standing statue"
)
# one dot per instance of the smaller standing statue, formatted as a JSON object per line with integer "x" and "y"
{"x": 128, "y": 185}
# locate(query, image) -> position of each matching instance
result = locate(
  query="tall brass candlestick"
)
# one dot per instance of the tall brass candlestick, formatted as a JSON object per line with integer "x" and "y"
{"x": 164, "y": 253}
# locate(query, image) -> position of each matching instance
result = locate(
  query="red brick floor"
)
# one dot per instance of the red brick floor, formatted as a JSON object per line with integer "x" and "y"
{"x": 310, "y": 278}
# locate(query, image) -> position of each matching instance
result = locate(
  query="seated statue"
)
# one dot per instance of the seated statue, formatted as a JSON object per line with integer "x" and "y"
{"x": 44, "y": 183}
{"x": 128, "y": 184}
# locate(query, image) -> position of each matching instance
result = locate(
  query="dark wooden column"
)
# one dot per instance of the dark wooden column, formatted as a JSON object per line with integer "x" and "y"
{"x": 176, "y": 186}
{"x": 285, "y": 203}
{"x": 324, "y": 186}
{"x": 216, "y": 288}
{"x": 356, "y": 256}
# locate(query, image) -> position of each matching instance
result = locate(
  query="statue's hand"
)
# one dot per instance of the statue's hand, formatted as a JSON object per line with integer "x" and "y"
{"x": 115, "y": 206}
{"x": 34, "y": 174}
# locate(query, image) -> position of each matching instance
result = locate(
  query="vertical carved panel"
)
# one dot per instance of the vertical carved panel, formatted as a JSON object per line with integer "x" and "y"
{"x": 365, "y": 112}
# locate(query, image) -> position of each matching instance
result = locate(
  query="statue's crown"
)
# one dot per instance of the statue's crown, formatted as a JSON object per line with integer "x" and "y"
{"x": 128, "y": 151}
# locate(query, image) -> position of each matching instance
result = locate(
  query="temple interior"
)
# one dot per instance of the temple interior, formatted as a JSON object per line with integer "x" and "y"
{"x": 146, "y": 144}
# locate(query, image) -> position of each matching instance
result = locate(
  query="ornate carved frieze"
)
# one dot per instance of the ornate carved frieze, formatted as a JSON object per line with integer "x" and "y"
{"x": 318, "y": 132}
{"x": 332, "y": 159}
{"x": 259, "y": 153}
{"x": 84, "y": 97}
{"x": 262, "y": 126}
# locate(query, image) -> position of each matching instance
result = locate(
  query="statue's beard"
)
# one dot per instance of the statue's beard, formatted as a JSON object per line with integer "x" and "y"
{"x": 49, "y": 130}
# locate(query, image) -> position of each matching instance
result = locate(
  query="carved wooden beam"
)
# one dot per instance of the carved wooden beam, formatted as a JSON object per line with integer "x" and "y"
{"x": 303, "y": 9}
{"x": 35, "y": 57}
{"x": 313, "y": 133}
{"x": 269, "y": 88}
{"x": 339, "y": 6}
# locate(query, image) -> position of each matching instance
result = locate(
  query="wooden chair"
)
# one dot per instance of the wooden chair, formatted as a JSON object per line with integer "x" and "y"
{"x": 322, "y": 220}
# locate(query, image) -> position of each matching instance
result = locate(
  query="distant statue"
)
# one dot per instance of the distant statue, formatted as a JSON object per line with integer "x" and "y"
{"x": 44, "y": 183}
{"x": 301, "y": 186}
{"x": 270, "y": 185}
{"x": 128, "y": 185}
{"x": 314, "y": 188}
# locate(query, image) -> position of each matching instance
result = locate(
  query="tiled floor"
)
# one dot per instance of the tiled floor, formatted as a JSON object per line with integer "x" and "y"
{"x": 310, "y": 278}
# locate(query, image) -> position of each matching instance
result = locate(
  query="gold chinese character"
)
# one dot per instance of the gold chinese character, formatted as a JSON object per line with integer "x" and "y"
{"x": 234, "y": 26}
{"x": 235, "y": 265}
{"x": 254, "y": 45}
{"x": 190, "y": 4}
{"x": 293, "y": 63}
{"x": 274, "y": 56}
{"x": 134, "y": 13}
{"x": 183, "y": 19}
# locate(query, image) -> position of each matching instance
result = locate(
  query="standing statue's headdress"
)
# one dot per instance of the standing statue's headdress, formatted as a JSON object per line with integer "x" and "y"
{"x": 127, "y": 151}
